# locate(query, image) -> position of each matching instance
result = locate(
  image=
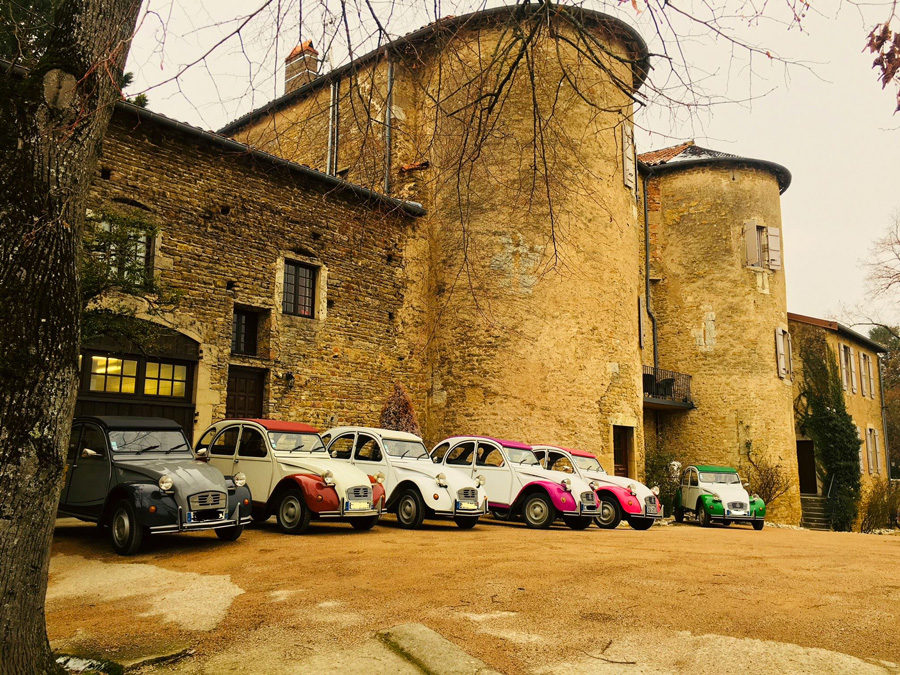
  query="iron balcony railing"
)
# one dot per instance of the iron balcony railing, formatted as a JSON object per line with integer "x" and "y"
{"x": 667, "y": 387}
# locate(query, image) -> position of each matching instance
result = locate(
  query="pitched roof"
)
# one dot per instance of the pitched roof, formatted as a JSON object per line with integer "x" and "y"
{"x": 305, "y": 47}
{"x": 838, "y": 328}
{"x": 640, "y": 63}
{"x": 690, "y": 154}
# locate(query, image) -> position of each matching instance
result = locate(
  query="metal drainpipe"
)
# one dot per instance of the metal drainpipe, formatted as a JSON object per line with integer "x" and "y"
{"x": 647, "y": 276}
{"x": 887, "y": 447}
{"x": 388, "y": 121}
{"x": 329, "y": 166}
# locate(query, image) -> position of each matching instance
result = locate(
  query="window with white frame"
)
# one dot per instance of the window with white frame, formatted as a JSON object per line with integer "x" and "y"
{"x": 862, "y": 442}
{"x": 784, "y": 357}
{"x": 873, "y": 457}
{"x": 866, "y": 375}
{"x": 848, "y": 368}
{"x": 762, "y": 246}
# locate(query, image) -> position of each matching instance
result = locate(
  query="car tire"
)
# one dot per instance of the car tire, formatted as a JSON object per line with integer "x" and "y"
{"x": 578, "y": 522}
{"x": 293, "y": 514}
{"x": 500, "y": 514}
{"x": 679, "y": 514}
{"x": 364, "y": 523}
{"x": 641, "y": 523}
{"x": 726, "y": 523}
{"x": 703, "y": 515}
{"x": 125, "y": 532}
{"x": 610, "y": 513}
{"x": 539, "y": 511}
{"x": 410, "y": 509}
{"x": 465, "y": 522}
{"x": 232, "y": 533}
{"x": 758, "y": 525}
{"x": 260, "y": 514}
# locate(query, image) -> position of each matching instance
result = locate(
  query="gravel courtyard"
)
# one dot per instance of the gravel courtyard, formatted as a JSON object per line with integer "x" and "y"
{"x": 671, "y": 598}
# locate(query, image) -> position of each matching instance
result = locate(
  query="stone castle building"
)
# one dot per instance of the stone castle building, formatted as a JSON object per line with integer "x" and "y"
{"x": 395, "y": 220}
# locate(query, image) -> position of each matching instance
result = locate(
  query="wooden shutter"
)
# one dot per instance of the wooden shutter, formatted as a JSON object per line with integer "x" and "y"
{"x": 862, "y": 373}
{"x": 628, "y": 161}
{"x": 869, "y": 441}
{"x": 871, "y": 377}
{"x": 774, "y": 244}
{"x": 860, "y": 436}
{"x": 751, "y": 244}
{"x": 790, "y": 355}
{"x": 842, "y": 360}
{"x": 878, "y": 465}
{"x": 852, "y": 370}
{"x": 779, "y": 352}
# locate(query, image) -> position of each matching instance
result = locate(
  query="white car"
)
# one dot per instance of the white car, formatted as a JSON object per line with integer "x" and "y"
{"x": 290, "y": 475}
{"x": 414, "y": 486}
{"x": 517, "y": 484}
{"x": 620, "y": 496}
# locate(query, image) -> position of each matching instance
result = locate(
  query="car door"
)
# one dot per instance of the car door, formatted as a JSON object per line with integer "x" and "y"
{"x": 89, "y": 483}
{"x": 498, "y": 476}
{"x": 254, "y": 460}
{"x": 71, "y": 456}
{"x": 462, "y": 456}
{"x": 221, "y": 454}
{"x": 341, "y": 447}
{"x": 369, "y": 456}
{"x": 690, "y": 491}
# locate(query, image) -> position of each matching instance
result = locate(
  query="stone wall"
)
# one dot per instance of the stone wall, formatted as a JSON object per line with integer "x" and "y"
{"x": 227, "y": 222}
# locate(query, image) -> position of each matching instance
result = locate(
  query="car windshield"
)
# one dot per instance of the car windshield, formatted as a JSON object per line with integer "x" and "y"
{"x": 521, "y": 456}
{"x": 139, "y": 441}
{"x": 405, "y": 449}
{"x": 721, "y": 478}
{"x": 588, "y": 464}
{"x": 285, "y": 441}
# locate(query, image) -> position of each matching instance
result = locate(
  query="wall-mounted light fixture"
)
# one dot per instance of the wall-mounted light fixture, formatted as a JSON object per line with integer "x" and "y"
{"x": 289, "y": 379}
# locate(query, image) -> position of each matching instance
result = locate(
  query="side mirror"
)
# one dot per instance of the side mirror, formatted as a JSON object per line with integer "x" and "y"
{"x": 746, "y": 484}
{"x": 87, "y": 452}
{"x": 202, "y": 452}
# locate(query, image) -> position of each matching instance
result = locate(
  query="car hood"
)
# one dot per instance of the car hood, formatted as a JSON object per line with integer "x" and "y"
{"x": 456, "y": 479}
{"x": 526, "y": 474}
{"x": 189, "y": 476}
{"x": 345, "y": 474}
{"x": 728, "y": 493}
{"x": 641, "y": 491}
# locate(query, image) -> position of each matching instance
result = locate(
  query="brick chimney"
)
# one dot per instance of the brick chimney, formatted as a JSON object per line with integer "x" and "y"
{"x": 301, "y": 66}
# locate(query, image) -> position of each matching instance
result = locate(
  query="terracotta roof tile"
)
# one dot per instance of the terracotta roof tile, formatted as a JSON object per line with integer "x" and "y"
{"x": 663, "y": 155}
{"x": 305, "y": 47}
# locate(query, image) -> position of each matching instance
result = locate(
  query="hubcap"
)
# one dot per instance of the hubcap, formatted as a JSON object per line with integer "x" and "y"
{"x": 290, "y": 512}
{"x": 407, "y": 509}
{"x": 537, "y": 511}
{"x": 607, "y": 512}
{"x": 121, "y": 527}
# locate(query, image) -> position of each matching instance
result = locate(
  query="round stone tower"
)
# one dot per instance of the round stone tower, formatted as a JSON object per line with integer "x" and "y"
{"x": 718, "y": 294}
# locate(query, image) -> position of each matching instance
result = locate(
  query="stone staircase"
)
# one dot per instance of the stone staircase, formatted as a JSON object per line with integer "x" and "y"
{"x": 814, "y": 517}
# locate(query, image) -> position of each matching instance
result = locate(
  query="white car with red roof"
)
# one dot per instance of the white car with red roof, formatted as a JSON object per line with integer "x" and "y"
{"x": 290, "y": 475}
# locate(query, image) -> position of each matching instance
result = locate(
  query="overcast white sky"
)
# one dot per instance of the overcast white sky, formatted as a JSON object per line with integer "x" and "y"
{"x": 833, "y": 128}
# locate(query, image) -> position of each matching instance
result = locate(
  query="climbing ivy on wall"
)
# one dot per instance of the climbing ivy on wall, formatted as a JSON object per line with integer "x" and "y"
{"x": 823, "y": 417}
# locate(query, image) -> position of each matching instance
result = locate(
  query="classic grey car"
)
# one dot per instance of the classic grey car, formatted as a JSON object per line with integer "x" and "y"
{"x": 137, "y": 476}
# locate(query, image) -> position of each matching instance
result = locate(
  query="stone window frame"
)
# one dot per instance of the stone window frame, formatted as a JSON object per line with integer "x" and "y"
{"x": 320, "y": 297}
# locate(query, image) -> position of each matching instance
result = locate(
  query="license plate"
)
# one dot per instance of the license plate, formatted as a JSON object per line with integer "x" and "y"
{"x": 358, "y": 506}
{"x": 466, "y": 506}
{"x": 190, "y": 518}
{"x": 651, "y": 508}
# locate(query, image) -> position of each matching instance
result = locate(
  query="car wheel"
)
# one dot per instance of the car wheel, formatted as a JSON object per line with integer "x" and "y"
{"x": 500, "y": 514}
{"x": 538, "y": 511}
{"x": 610, "y": 515}
{"x": 293, "y": 514}
{"x": 679, "y": 514}
{"x": 578, "y": 522}
{"x": 232, "y": 533}
{"x": 125, "y": 531}
{"x": 703, "y": 515}
{"x": 363, "y": 523}
{"x": 726, "y": 523}
{"x": 640, "y": 523}
{"x": 758, "y": 524}
{"x": 410, "y": 509}
{"x": 465, "y": 522}
{"x": 260, "y": 514}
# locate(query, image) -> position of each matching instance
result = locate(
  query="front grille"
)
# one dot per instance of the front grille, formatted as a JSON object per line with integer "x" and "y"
{"x": 360, "y": 493}
{"x": 207, "y": 500}
{"x": 737, "y": 506}
{"x": 467, "y": 495}
{"x": 588, "y": 499}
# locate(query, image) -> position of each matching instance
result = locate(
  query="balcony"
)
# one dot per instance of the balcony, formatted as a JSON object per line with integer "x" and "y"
{"x": 666, "y": 389}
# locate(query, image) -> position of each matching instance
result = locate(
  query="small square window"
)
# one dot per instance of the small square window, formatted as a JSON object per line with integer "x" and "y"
{"x": 165, "y": 379}
{"x": 299, "y": 289}
{"x": 244, "y": 332}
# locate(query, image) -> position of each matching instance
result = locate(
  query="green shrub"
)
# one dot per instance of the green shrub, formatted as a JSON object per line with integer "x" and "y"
{"x": 663, "y": 468}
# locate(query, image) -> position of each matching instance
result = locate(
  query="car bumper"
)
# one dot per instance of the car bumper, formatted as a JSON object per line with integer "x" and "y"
{"x": 342, "y": 513}
{"x": 457, "y": 511}
{"x": 183, "y": 524}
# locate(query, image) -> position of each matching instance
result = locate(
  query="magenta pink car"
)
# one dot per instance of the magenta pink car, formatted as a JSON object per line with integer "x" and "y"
{"x": 517, "y": 485}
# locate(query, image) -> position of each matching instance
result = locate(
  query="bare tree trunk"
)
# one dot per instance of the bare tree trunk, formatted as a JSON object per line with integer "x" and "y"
{"x": 53, "y": 121}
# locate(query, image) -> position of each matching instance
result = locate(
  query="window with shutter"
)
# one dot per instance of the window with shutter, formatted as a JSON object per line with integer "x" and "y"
{"x": 628, "y": 161}
{"x": 877, "y": 451}
{"x": 852, "y": 369}
{"x": 751, "y": 244}
{"x": 869, "y": 442}
{"x": 779, "y": 352}
{"x": 774, "y": 247}
{"x": 789, "y": 345}
{"x": 842, "y": 359}
{"x": 871, "y": 377}
{"x": 860, "y": 437}
{"x": 862, "y": 373}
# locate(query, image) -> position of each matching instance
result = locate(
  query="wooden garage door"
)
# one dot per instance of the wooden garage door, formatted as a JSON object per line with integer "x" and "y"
{"x": 245, "y": 392}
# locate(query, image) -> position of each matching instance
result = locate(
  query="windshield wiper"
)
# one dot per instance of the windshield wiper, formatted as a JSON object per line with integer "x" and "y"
{"x": 174, "y": 447}
{"x": 149, "y": 447}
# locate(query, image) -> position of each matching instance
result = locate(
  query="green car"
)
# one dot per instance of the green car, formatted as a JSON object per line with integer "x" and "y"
{"x": 715, "y": 493}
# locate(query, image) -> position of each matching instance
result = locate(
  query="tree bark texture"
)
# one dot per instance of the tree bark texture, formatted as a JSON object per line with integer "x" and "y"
{"x": 52, "y": 121}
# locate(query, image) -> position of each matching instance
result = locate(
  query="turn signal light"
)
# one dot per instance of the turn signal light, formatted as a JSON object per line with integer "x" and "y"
{"x": 246, "y": 501}
{"x": 318, "y": 498}
{"x": 435, "y": 496}
{"x": 152, "y": 509}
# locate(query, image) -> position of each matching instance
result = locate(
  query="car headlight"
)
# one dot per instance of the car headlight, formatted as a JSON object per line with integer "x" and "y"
{"x": 379, "y": 478}
{"x": 716, "y": 498}
{"x": 441, "y": 480}
{"x": 655, "y": 490}
{"x": 479, "y": 480}
{"x": 567, "y": 484}
{"x": 632, "y": 490}
{"x": 328, "y": 477}
{"x": 754, "y": 496}
{"x": 165, "y": 482}
{"x": 240, "y": 480}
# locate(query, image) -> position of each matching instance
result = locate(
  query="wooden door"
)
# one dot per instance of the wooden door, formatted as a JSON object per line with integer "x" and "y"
{"x": 623, "y": 438}
{"x": 806, "y": 467}
{"x": 245, "y": 392}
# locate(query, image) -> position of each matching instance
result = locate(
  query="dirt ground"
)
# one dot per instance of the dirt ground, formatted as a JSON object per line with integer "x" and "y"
{"x": 671, "y": 598}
